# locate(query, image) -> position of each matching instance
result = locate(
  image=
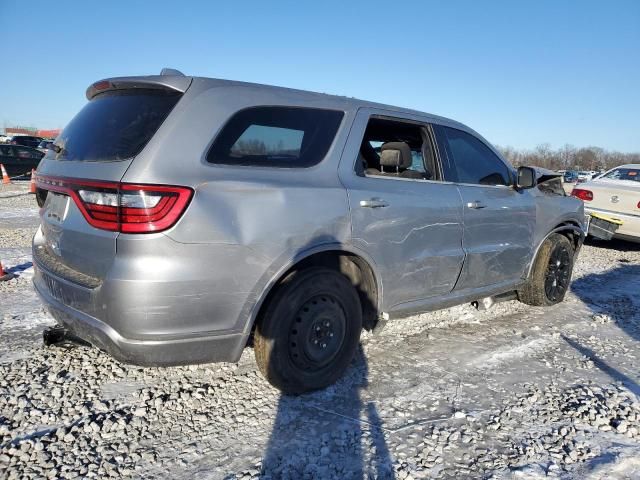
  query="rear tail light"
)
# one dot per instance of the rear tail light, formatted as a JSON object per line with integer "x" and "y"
{"x": 123, "y": 207}
{"x": 582, "y": 194}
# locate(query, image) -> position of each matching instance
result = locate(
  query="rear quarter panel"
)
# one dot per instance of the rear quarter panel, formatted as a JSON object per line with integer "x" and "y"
{"x": 271, "y": 216}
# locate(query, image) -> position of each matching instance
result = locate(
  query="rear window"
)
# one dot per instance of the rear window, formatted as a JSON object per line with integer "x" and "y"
{"x": 632, "y": 174}
{"x": 114, "y": 125}
{"x": 25, "y": 152}
{"x": 276, "y": 137}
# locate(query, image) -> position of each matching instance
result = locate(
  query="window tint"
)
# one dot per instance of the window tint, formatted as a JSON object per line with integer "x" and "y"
{"x": 276, "y": 137}
{"x": 11, "y": 150}
{"x": 272, "y": 141}
{"x": 26, "y": 140}
{"x": 27, "y": 153}
{"x": 473, "y": 161}
{"x": 115, "y": 125}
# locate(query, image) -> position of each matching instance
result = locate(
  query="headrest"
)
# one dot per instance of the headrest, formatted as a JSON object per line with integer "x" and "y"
{"x": 395, "y": 154}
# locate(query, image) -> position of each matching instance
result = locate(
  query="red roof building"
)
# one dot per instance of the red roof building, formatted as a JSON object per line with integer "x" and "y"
{"x": 49, "y": 133}
{"x": 10, "y": 131}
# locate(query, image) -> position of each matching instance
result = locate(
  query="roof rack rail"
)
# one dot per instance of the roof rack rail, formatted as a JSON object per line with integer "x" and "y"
{"x": 171, "y": 71}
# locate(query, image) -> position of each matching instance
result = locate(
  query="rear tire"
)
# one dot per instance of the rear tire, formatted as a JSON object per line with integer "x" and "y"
{"x": 551, "y": 274}
{"x": 309, "y": 332}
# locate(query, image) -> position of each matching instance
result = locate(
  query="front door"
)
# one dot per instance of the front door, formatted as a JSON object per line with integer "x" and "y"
{"x": 498, "y": 235}
{"x": 498, "y": 220}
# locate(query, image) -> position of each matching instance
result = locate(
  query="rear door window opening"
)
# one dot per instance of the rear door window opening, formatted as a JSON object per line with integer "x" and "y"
{"x": 414, "y": 138}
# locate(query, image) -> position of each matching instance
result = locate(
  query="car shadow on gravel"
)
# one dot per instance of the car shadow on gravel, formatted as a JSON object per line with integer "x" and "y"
{"x": 16, "y": 270}
{"x": 614, "y": 244}
{"x": 613, "y": 297}
{"x": 613, "y": 293}
{"x": 24, "y": 194}
{"x": 333, "y": 433}
{"x": 604, "y": 366}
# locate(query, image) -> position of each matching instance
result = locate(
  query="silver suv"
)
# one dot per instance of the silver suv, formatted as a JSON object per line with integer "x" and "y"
{"x": 184, "y": 218}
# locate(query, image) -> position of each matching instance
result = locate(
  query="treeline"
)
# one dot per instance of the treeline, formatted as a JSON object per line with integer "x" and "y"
{"x": 568, "y": 157}
{"x": 258, "y": 147}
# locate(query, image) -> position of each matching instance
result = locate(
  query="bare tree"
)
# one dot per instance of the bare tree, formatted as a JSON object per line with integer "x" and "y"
{"x": 568, "y": 157}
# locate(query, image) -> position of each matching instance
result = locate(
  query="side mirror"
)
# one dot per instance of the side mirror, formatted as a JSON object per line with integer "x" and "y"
{"x": 526, "y": 178}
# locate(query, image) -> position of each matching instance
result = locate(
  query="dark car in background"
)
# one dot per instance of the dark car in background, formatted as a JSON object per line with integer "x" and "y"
{"x": 570, "y": 176}
{"x": 25, "y": 140}
{"x": 18, "y": 159}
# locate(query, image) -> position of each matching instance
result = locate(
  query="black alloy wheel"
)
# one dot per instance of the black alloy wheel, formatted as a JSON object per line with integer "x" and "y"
{"x": 558, "y": 274}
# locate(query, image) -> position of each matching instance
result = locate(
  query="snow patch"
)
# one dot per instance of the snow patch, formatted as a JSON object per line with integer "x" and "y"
{"x": 19, "y": 212}
{"x": 623, "y": 465}
{"x": 521, "y": 350}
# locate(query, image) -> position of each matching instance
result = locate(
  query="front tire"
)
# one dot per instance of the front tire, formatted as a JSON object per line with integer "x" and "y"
{"x": 309, "y": 332}
{"x": 551, "y": 274}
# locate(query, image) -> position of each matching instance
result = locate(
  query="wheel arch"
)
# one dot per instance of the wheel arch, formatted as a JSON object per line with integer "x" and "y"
{"x": 355, "y": 265}
{"x": 570, "y": 229}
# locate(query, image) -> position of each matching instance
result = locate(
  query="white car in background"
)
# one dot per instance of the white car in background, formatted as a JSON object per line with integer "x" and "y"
{"x": 616, "y": 195}
{"x": 585, "y": 176}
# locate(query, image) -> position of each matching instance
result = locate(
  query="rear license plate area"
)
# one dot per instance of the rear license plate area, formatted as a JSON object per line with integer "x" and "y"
{"x": 56, "y": 208}
{"x": 66, "y": 293}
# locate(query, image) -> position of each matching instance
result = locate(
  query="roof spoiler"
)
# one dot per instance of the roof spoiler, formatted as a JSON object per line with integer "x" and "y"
{"x": 169, "y": 79}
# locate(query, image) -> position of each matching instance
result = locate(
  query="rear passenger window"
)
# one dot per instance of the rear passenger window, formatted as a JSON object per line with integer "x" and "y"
{"x": 473, "y": 161}
{"x": 276, "y": 137}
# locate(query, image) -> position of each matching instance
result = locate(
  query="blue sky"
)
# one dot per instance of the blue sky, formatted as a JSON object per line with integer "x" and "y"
{"x": 521, "y": 73}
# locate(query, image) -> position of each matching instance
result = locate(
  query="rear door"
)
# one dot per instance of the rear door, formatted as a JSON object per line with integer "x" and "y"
{"x": 98, "y": 145}
{"x": 410, "y": 227}
{"x": 498, "y": 220}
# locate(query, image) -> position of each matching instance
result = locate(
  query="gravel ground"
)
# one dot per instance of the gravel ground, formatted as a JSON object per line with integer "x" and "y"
{"x": 512, "y": 392}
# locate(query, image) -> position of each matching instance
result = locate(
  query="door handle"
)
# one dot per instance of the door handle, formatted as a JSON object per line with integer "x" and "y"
{"x": 476, "y": 204}
{"x": 374, "y": 203}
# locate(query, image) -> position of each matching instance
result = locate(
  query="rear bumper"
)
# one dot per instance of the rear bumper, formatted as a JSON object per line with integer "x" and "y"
{"x": 157, "y": 302}
{"x": 158, "y": 351}
{"x": 630, "y": 228}
{"x": 153, "y": 350}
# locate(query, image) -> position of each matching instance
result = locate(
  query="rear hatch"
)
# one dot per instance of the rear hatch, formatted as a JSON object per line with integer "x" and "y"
{"x": 84, "y": 205}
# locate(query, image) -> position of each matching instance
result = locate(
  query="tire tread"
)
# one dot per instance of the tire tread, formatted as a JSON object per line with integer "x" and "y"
{"x": 533, "y": 292}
